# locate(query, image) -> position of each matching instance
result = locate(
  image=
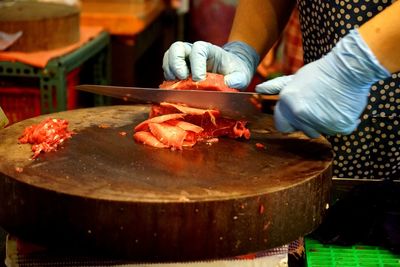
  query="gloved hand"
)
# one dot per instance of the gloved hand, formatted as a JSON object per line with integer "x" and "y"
{"x": 236, "y": 60}
{"x": 328, "y": 95}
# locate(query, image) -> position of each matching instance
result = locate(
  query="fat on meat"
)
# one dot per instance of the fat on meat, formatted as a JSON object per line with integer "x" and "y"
{"x": 171, "y": 136}
{"x": 176, "y": 132}
{"x": 148, "y": 138}
{"x": 213, "y": 82}
{"x": 176, "y": 125}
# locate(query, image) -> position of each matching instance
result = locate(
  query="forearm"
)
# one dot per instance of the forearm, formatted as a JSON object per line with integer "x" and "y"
{"x": 259, "y": 23}
{"x": 382, "y": 35}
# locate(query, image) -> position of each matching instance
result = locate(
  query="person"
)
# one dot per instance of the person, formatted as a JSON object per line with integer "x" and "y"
{"x": 348, "y": 90}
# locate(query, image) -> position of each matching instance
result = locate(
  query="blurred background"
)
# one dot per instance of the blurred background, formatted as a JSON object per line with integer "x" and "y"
{"x": 47, "y": 47}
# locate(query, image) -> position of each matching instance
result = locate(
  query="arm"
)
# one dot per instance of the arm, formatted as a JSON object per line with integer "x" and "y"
{"x": 260, "y": 22}
{"x": 329, "y": 95}
{"x": 382, "y": 35}
{"x": 257, "y": 25}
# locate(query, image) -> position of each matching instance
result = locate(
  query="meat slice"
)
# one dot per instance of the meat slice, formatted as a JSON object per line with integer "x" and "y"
{"x": 148, "y": 138}
{"x": 187, "y": 126}
{"x": 171, "y": 136}
{"x": 194, "y": 115}
{"x": 188, "y": 110}
{"x": 159, "y": 119}
{"x": 213, "y": 82}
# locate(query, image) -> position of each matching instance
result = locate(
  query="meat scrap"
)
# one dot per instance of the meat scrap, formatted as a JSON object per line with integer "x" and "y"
{"x": 176, "y": 126}
{"x": 122, "y": 133}
{"x": 260, "y": 145}
{"x": 213, "y": 82}
{"x": 46, "y": 136}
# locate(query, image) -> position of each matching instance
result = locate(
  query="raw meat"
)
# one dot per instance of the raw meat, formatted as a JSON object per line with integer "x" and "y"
{"x": 213, "y": 82}
{"x": 148, "y": 138}
{"x": 209, "y": 119}
{"x": 186, "y": 126}
{"x": 46, "y": 136}
{"x": 169, "y": 135}
{"x": 176, "y": 126}
{"x": 144, "y": 125}
{"x": 166, "y": 129}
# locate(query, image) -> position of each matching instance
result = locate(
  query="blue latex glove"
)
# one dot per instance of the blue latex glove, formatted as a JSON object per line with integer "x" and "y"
{"x": 236, "y": 60}
{"x": 328, "y": 95}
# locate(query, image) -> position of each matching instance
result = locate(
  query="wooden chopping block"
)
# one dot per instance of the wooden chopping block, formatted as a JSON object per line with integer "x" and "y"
{"x": 103, "y": 191}
{"x": 45, "y": 25}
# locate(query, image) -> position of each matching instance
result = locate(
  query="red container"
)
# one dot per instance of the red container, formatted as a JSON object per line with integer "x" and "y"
{"x": 20, "y": 103}
{"x": 72, "y": 82}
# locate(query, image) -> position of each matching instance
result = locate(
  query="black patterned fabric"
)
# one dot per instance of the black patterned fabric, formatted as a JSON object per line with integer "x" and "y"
{"x": 373, "y": 150}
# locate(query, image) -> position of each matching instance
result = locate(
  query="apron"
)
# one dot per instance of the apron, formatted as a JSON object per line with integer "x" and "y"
{"x": 373, "y": 150}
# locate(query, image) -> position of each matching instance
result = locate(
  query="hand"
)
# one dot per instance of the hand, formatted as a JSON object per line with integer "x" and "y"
{"x": 328, "y": 95}
{"x": 236, "y": 60}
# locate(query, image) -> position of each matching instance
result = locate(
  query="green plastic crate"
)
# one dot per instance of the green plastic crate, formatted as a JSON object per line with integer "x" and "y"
{"x": 52, "y": 79}
{"x": 320, "y": 255}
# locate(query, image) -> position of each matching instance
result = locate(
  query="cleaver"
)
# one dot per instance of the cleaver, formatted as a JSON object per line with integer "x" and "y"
{"x": 237, "y": 105}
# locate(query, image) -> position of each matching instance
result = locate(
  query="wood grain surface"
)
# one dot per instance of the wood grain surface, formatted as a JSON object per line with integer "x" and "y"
{"x": 127, "y": 199}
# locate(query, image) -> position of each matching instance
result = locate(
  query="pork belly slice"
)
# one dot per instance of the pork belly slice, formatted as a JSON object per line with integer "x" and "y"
{"x": 159, "y": 119}
{"x": 187, "y": 126}
{"x": 213, "y": 82}
{"x": 148, "y": 138}
{"x": 171, "y": 136}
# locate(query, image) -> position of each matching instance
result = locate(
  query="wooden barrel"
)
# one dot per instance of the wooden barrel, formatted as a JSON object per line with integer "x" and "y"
{"x": 44, "y": 25}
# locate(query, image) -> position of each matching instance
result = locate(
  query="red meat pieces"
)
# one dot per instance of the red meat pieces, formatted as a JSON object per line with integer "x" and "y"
{"x": 177, "y": 126}
{"x": 213, "y": 82}
{"x": 46, "y": 136}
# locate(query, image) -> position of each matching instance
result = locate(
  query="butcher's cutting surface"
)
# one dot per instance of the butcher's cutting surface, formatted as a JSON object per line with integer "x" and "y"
{"x": 221, "y": 199}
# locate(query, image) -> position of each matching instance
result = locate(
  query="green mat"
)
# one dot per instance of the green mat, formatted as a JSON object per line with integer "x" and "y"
{"x": 319, "y": 255}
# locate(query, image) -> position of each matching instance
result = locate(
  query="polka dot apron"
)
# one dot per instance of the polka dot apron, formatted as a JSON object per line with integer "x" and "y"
{"x": 373, "y": 150}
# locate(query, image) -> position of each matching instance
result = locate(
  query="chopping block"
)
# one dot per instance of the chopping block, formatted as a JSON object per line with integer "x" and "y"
{"x": 44, "y": 25}
{"x": 104, "y": 193}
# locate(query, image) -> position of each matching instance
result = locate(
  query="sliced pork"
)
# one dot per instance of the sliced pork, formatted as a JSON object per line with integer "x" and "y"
{"x": 193, "y": 125}
{"x": 177, "y": 126}
{"x": 213, "y": 82}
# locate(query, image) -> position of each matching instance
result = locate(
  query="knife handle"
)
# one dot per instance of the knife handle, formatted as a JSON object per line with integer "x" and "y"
{"x": 270, "y": 97}
{"x": 268, "y": 103}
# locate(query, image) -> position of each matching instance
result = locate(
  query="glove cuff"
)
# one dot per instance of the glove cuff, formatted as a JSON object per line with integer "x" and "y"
{"x": 357, "y": 60}
{"x": 244, "y": 52}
